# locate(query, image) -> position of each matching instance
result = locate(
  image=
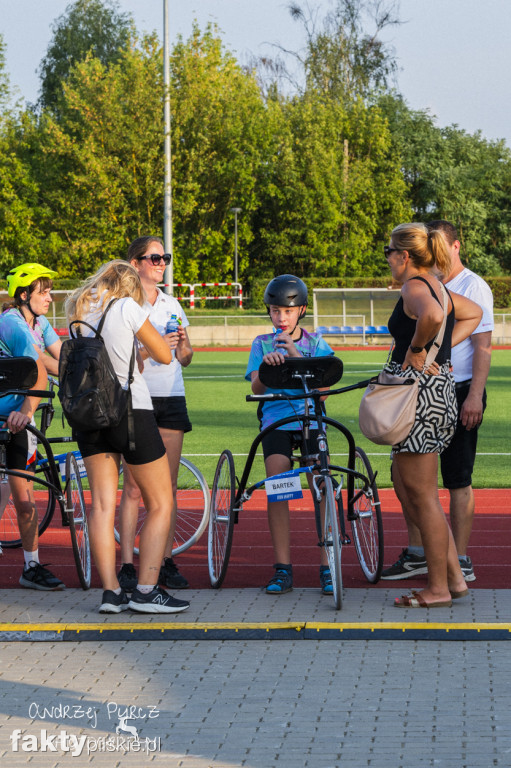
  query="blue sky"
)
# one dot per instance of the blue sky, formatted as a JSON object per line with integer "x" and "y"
{"x": 454, "y": 55}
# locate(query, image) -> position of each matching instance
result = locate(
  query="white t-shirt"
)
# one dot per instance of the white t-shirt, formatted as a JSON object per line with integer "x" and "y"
{"x": 125, "y": 317}
{"x": 164, "y": 380}
{"x": 468, "y": 284}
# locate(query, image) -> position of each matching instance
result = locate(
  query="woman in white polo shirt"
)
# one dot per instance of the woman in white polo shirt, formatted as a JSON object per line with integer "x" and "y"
{"x": 166, "y": 386}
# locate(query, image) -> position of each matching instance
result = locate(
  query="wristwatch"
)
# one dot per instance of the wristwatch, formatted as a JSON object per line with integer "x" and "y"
{"x": 416, "y": 350}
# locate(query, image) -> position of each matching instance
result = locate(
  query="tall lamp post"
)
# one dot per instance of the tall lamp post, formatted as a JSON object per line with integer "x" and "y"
{"x": 236, "y": 211}
{"x": 168, "y": 275}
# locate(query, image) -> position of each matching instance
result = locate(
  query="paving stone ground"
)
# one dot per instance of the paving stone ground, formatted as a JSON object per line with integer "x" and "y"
{"x": 257, "y": 703}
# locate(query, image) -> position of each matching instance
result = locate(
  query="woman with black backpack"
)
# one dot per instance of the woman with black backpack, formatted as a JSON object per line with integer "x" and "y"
{"x": 102, "y": 448}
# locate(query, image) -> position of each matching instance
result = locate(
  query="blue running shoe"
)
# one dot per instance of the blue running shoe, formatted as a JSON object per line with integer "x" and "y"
{"x": 282, "y": 582}
{"x": 325, "y": 579}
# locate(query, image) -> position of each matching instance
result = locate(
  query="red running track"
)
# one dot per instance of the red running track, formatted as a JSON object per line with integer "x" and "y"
{"x": 252, "y": 558}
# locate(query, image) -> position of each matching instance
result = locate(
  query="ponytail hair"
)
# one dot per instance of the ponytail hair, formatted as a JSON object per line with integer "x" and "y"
{"x": 427, "y": 249}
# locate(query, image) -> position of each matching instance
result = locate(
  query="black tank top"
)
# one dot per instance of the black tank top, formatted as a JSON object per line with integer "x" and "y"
{"x": 403, "y": 327}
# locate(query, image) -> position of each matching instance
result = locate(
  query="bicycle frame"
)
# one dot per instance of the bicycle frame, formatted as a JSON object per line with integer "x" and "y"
{"x": 324, "y": 468}
{"x": 49, "y": 460}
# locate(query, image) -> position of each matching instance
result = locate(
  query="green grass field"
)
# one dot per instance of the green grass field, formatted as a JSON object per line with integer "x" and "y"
{"x": 221, "y": 417}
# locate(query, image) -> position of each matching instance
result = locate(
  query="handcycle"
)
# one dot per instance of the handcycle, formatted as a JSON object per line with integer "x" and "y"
{"x": 17, "y": 376}
{"x": 193, "y": 495}
{"x": 362, "y": 500}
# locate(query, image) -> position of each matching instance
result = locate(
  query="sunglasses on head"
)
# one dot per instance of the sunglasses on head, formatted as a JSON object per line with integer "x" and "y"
{"x": 157, "y": 258}
{"x": 387, "y": 250}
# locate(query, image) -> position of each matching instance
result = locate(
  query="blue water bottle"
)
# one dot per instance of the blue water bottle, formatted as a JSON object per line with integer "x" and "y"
{"x": 172, "y": 324}
{"x": 171, "y": 327}
{"x": 276, "y": 345}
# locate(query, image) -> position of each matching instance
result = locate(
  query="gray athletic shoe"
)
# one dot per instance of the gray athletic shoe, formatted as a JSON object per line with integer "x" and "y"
{"x": 467, "y": 568}
{"x": 36, "y": 576}
{"x": 406, "y": 567}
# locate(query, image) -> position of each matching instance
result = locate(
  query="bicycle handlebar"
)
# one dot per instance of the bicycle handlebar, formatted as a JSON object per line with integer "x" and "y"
{"x": 28, "y": 392}
{"x": 306, "y": 395}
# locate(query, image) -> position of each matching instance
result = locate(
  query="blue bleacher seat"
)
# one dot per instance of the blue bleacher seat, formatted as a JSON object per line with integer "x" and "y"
{"x": 357, "y": 329}
{"x": 334, "y": 329}
{"x": 382, "y": 329}
{"x": 321, "y": 329}
{"x": 346, "y": 329}
{"x": 370, "y": 329}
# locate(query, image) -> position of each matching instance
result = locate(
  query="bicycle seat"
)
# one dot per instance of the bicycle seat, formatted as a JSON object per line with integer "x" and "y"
{"x": 17, "y": 373}
{"x": 319, "y": 372}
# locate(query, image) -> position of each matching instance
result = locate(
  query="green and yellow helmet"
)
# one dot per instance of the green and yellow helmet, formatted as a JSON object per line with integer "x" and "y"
{"x": 25, "y": 274}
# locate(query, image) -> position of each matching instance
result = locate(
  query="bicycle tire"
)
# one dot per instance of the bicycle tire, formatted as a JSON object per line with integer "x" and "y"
{"x": 221, "y": 519}
{"x": 75, "y": 505}
{"x": 331, "y": 540}
{"x": 192, "y": 511}
{"x": 367, "y": 525}
{"x": 9, "y": 531}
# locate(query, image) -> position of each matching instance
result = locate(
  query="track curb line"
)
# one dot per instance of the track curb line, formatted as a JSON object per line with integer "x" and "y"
{"x": 105, "y": 632}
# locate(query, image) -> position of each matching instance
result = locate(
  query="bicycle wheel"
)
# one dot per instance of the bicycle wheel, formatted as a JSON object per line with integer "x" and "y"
{"x": 367, "y": 526}
{"x": 331, "y": 539}
{"x": 221, "y": 519}
{"x": 75, "y": 504}
{"x": 45, "y": 505}
{"x": 192, "y": 509}
{"x": 192, "y": 513}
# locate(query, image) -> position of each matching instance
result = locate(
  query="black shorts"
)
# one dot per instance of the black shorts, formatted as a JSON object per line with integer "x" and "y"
{"x": 457, "y": 461}
{"x": 171, "y": 413}
{"x": 285, "y": 442}
{"x": 148, "y": 443}
{"x": 20, "y": 451}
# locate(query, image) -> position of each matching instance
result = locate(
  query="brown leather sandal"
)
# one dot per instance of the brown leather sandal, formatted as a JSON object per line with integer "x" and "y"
{"x": 415, "y": 600}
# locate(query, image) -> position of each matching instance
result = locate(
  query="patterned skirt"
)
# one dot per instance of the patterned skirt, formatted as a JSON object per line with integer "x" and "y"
{"x": 437, "y": 412}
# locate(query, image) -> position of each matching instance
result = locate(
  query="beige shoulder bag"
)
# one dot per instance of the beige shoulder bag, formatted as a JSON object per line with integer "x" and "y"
{"x": 389, "y": 404}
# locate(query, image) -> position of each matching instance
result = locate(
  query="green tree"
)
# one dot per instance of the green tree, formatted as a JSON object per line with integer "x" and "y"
{"x": 343, "y": 54}
{"x": 94, "y": 27}
{"x": 456, "y": 176}
{"x": 330, "y": 191}
{"x": 219, "y": 143}
{"x": 100, "y": 159}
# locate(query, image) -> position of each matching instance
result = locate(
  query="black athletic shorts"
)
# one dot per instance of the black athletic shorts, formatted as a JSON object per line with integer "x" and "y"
{"x": 171, "y": 413}
{"x": 457, "y": 461}
{"x": 285, "y": 442}
{"x": 20, "y": 451}
{"x": 148, "y": 443}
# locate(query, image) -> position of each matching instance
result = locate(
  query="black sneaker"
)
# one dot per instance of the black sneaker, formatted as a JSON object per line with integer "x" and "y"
{"x": 467, "y": 568}
{"x": 282, "y": 582}
{"x": 127, "y": 577}
{"x": 406, "y": 567}
{"x": 113, "y": 603}
{"x": 170, "y": 576}
{"x": 36, "y": 576}
{"x": 157, "y": 601}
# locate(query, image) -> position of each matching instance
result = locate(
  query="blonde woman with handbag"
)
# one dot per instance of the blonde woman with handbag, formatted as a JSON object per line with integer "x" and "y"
{"x": 416, "y": 258}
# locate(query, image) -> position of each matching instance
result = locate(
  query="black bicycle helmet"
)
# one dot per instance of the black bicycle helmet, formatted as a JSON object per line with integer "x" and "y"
{"x": 286, "y": 291}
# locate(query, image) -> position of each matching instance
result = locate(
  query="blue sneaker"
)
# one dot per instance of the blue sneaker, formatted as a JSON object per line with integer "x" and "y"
{"x": 325, "y": 579}
{"x": 282, "y": 582}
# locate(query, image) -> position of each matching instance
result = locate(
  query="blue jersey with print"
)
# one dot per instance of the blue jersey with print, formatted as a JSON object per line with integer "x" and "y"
{"x": 309, "y": 345}
{"x": 16, "y": 340}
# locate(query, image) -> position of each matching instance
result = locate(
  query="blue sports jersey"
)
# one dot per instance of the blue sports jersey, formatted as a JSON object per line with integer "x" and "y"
{"x": 310, "y": 345}
{"x": 16, "y": 340}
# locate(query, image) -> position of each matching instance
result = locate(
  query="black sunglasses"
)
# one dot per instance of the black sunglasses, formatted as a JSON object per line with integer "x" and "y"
{"x": 156, "y": 258}
{"x": 387, "y": 250}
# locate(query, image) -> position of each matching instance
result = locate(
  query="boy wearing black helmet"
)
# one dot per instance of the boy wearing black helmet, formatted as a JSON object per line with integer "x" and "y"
{"x": 286, "y": 302}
